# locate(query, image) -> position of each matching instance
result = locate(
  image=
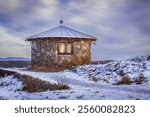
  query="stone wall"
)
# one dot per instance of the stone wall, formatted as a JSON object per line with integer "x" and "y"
{"x": 45, "y": 53}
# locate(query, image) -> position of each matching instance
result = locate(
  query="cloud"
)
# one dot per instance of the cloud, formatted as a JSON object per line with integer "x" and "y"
{"x": 9, "y": 5}
{"x": 121, "y": 26}
{"x": 45, "y": 9}
{"x": 12, "y": 46}
{"x": 27, "y": 16}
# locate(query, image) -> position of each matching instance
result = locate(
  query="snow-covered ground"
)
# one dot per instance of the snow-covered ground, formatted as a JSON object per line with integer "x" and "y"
{"x": 80, "y": 80}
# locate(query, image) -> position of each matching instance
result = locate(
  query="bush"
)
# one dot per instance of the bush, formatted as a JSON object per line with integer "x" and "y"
{"x": 140, "y": 79}
{"x": 125, "y": 80}
{"x": 93, "y": 78}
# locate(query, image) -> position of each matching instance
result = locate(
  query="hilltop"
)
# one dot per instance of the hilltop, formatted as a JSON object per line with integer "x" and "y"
{"x": 124, "y": 79}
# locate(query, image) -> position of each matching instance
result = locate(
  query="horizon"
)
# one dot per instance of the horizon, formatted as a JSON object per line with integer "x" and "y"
{"x": 145, "y": 54}
{"x": 122, "y": 27}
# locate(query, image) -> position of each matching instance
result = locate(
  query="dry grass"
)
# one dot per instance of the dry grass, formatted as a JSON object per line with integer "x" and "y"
{"x": 36, "y": 85}
{"x": 49, "y": 69}
{"x": 55, "y": 68}
{"x": 93, "y": 78}
{"x": 4, "y": 73}
{"x": 140, "y": 79}
{"x": 31, "y": 84}
{"x": 127, "y": 80}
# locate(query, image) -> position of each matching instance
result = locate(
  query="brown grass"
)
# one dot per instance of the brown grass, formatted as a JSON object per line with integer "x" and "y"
{"x": 4, "y": 73}
{"x": 36, "y": 85}
{"x": 56, "y": 68}
{"x": 93, "y": 78}
{"x": 49, "y": 69}
{"x": 126, "y": 80}
{"x": 140, "y": 79}
{"x": 31, "y": 84}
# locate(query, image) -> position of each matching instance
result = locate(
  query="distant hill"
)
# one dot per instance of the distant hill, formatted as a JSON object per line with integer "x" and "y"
{"x": 15, "y": 62}
{"x": 101, "y": 62}
{"x": 15, "y": 59}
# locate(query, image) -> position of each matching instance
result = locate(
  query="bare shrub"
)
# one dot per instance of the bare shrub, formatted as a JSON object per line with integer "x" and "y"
{"x": 93, "y": 78}
{"x": 140, "y": 79}
{"x": 125, "y": 80}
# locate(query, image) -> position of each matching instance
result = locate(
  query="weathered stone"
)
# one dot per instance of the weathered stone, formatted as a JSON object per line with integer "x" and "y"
{"x": 45, "y": 53}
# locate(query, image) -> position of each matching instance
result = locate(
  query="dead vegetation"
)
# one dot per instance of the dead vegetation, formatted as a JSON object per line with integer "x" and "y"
{"x": 126, "y": 80}
{"x": 93, "y": 78}
{"x": 4, "y": 73}
{"x": 31, "y": 84}
{"x": 49, "y": 69}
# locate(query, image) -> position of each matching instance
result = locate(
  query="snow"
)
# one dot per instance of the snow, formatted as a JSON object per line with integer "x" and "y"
{"x": 82, "y": 85}
{"x": 111, "y": 72}
{"x": 9, "y": 86}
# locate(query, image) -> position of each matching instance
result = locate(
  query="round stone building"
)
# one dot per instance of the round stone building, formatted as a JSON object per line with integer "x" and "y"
{"x": 60, "y": 48}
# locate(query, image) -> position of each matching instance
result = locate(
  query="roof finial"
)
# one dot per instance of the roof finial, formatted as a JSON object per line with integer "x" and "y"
{"x": 61, "y": 21}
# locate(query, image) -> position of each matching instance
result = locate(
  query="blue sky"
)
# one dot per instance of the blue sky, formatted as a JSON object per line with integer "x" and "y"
{"x": 122, "y": 27}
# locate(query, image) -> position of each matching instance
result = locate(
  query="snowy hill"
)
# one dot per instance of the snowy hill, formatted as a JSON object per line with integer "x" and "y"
{"x": 125, "y": 79}
{"x": 133, "y": 69}
{"x": 15, "y": 59}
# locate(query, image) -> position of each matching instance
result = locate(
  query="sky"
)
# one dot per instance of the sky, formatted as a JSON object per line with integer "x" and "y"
{"x": 122, "y": 27}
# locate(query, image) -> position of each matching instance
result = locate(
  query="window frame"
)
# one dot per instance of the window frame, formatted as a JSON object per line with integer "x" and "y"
{"x": 65, "y": 53}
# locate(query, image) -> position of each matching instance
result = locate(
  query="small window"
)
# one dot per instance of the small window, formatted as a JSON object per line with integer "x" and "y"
{"x": 65, "y": 48}
{"x": 61, "y": 47}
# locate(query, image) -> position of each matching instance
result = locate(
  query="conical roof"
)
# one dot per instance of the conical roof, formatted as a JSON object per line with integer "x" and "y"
{"x": 61, "y": 31}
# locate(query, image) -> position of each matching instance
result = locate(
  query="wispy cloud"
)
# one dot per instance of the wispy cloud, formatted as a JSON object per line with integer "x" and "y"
{"x": 9, "y": 6}
{"x": 11, "y": 45}
{"x": 121, "y": 26}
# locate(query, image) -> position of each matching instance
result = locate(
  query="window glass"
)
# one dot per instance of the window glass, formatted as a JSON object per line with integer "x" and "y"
{"x": 65, "y": 48}
{"x": 68, "y": 48}
{"x": 61, "y": 47}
